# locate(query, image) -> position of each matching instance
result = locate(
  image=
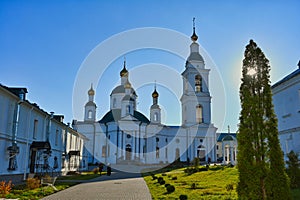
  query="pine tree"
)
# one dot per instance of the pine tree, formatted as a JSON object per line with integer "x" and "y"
{"x": 293, "y": 169}
{"x": 260, "y": 159}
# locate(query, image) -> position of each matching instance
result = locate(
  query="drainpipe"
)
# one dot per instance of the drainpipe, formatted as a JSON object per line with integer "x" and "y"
{"x": 13, "y": 150}
{"x": 27, "y": 144}
{"x": 16, "y": 123}
{"x": 49, "y": 126}
{"x": 106, "y": 132}
{"x": 94, "y": 142}
{"x": 66, "y": 167}
{"x": 140, "y": 141}
{"x": 66, "y": 135}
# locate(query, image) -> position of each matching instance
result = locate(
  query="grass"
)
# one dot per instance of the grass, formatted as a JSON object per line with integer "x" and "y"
{"x": 211, "y": 184}
{"x": 22, "y": 193}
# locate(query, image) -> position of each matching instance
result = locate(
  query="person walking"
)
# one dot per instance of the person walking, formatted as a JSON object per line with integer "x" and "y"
{"x": 108, "y": 170}
{"x": 100, "y": 168}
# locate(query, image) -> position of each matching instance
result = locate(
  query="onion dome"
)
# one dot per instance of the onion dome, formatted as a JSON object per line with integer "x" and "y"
{"x": 194, "y": 37}
{"x": 124, "y": 71}
{"x": 127, "y": 85}
{"x": 91, "y": 92}
{"x": 155, "y": 94}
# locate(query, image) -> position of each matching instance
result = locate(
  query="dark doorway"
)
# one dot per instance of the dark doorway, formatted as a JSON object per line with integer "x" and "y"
{"x": 201, "y": 152}
{"x": 128, "y": 152}
{"x": 32, "y": 160}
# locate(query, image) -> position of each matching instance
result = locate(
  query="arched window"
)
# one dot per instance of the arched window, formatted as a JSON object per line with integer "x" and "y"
{"x": 156, "y": 117}
{"x": 199, "y": 116}
{"x": 127, "y": 109}
{"x": 90, "y": 114}
{"x": 198, "y": 83}
{"x": 114, "y": 103}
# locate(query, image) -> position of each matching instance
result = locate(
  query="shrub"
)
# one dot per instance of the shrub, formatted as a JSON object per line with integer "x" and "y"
{"x": 162, "y": 182}
{"x": 170, "y": 188}
{"x": 174, "y": 178}
{"x": 190, "y": 170}
{"x": 95, "y": 170}
{"x": 194, "y": 186}
{"x": 154, "y": 177}
{"x": 160, "y": 179}
{"x": 202, "y": 169}
{"x": 183, "y": 197}
{"x": 207, "y": 167}
{"x": 229, "y": 187}
{"x": 164, "y": 174}
{"x": 33, "y": 183}
{"x": 5, "y": 188}
{"x": 167, "y": 184}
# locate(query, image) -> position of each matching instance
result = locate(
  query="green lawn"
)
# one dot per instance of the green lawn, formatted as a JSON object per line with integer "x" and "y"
{"x": 209, "y": 184}
{"x": 22, "y": 193}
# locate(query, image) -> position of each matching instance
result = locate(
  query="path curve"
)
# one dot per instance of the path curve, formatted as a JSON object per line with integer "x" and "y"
{"x": 119, "y": 185}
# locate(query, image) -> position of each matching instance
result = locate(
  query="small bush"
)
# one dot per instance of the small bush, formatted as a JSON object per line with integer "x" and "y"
{"x": 191, "y": 170}
{"x": 207, "y": 167}
{"x": 164, "y": 174}
{"x": 170, "y": 188}
{"x": 154, "y": 177}
{"x": 167, "y": 184}
{"x": 174, "y": 178}
{"x": 202, "y": 169}
{"x": 5, "y": 188}
{"x": 229, "y": 187}
{"x": 194, "y": 186}
{"x": 95, "y": 170}
{"x": 162, "y": 182}
{"x": 183, "y": 197}
{"x": 160, "y": 179}
{"x": 33, "y": 183}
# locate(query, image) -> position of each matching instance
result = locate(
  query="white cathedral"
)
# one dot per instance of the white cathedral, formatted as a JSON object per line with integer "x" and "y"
{"x": 124, "y": 135}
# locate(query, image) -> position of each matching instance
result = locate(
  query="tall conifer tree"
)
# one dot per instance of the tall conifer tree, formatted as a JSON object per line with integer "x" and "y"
{"x": 260, "y": 159}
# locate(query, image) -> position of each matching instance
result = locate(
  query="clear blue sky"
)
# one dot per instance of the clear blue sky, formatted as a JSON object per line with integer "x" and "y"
{"x": 43, "y": 43}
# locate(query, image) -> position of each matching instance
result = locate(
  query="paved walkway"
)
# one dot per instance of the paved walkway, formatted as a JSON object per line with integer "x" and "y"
{"x": 119, "y": 185}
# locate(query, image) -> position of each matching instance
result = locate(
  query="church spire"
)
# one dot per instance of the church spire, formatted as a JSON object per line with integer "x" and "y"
{"x": 124, "y": 71}
{"x": 91, "y": 93}
{"x": 155, "y": 112}
{"x": 194, "y": 37}
{"x": 155, "y": 95}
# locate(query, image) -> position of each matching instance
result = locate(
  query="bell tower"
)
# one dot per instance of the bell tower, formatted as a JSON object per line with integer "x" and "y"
{"x": 196, "y": 99}
{"x": 155, "y": 111}
{"x": 90, "y": 107}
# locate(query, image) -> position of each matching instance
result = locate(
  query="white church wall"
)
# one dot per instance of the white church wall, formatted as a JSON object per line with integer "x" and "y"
{"x": 286, "y": 100}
